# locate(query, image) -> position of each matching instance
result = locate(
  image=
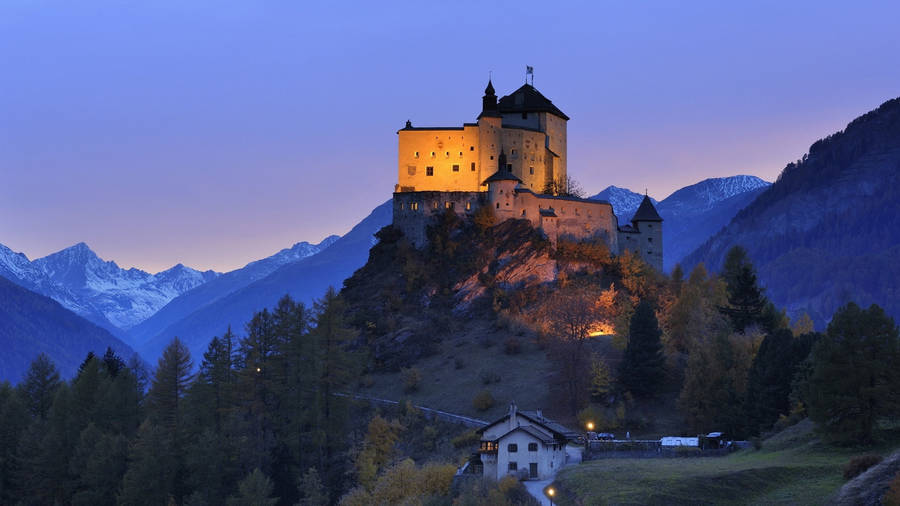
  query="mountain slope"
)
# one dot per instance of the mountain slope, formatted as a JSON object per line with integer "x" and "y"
{"x": 696, "y": 212}
{"x": 828, "y": 231}
{"x": 207, "y": 293}
{"x": 31, "y": 323}
{"x": 100, "y": 291}
{"x": 304, "y": 280}
{"x": 624, "y": 201}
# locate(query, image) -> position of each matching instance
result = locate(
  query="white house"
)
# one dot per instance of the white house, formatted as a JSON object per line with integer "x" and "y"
{"x": 524, "y": 444}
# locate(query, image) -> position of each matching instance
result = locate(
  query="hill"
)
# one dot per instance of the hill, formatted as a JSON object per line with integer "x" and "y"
{"x": 304, "y": 280}
{"x": 828, "y": 231}
{"x": 31, "y": 324}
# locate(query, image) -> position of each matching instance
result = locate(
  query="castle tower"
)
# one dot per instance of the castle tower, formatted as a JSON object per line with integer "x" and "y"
{"x": 501, "y": 190}
{"x": 490, "y": 133}
{"x": 648, "y": 223}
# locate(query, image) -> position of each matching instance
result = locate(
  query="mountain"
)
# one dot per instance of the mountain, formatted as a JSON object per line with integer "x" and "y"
{"x": 100, "y": 291}
{"x": 828, "y": 231}
{"x": 696, "y": 212}
{"x": 304, "y": 280}
{"x": 624, "y": 201}
{"x": 31, "y": 323}
{"x": 207, "y": 293}
{"x": 692, "y": 214}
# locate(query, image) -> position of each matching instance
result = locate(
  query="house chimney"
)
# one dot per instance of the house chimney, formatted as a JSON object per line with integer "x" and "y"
{"x": 512, "y": 415}
{"x": 540, "y": 415}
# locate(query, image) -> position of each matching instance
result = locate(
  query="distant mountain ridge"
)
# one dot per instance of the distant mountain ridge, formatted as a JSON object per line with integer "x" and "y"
{"x": 828, "y": 231}
{"x": 99, "y": 290}
{"x": 203, "y": 295}
{"x": 207, "y": 311}
{"x": 31, "y": 323}
{"x": 692, "y": 214}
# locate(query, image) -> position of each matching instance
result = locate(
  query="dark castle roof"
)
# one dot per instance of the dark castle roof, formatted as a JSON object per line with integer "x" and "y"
{"x": 502, "y": 175}
{"x": 646, "y": 211}
{"x": 528, "y": 99}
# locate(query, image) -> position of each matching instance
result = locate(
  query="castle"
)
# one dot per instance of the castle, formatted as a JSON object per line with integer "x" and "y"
{"x": 506, "y": 160}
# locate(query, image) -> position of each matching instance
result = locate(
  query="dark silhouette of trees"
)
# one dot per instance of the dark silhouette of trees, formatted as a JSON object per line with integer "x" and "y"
{"x": 642, "y": 369}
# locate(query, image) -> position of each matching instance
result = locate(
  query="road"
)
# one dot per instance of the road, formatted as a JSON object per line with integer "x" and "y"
{"x": 536, "y": 488}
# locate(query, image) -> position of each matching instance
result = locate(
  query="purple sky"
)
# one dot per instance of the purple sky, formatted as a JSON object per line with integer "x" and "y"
{"x": 215, "y": 133}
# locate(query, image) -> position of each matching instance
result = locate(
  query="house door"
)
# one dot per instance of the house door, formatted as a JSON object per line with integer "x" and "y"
{"x": 532, "y": 469}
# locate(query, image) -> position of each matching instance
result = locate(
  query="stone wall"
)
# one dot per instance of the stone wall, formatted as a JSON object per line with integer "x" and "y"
{"x": 414, "y": 211}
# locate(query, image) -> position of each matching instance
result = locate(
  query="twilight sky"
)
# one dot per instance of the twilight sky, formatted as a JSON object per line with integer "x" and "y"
{"x": 215, "y": 133}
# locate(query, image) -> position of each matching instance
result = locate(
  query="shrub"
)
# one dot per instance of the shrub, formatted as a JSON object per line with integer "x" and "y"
{"x": 411, "y": 379}
{"x": 512, "y": 346}
{"x": 466, "y": 439}
{"x": 892, "y": 496}
{"x": 859, "y": 465}
{"x": 429, "y": 437}
{"x": 488, "y": 377}
{"x": 483, "y": 401}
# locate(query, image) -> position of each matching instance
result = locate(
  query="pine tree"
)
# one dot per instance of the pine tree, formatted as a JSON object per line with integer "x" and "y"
{"x": 14, "y": 418}
{"x": 39, "y": 387}
{"x": 311, "y": 490}
{"x": 746, "y": 302}
{"x": 855, "y": 377}
{"x": 152, "y": 468}
{"x": 254, "y": 490}
{"x": 641, "y": 372}
{"x": 169, "y": 386}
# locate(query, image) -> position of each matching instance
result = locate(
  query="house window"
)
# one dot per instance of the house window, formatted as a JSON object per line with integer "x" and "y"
{"x": 531, "y": 170}
{"x": 411, "y": 170}
{"x": 649, "y": 239}
{"x": 513, "y": 466}
{"x": 512, "y": 448}
{"x": 429, "y": 171}
{"x": 532, "y": 447}
{"x": 456, "y": 168}
{"x": 473, "y": 166}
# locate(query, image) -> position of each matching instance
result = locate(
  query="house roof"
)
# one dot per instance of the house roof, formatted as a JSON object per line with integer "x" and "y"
{"x": 543, "y": 425}
{"x": 528, "y": 99}
{"x": 646, "y": 211}
{"x": 540, "y": 435}
{"x": 502, "y": 175}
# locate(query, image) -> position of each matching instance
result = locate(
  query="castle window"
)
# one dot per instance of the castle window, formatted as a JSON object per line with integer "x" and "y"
{"x": 447, "y": 154}
{"x": 509, "y": 167}
{"x": 649, "y": 239}
{"x": 473, "y": 166}
{"x": 417, "y": 154}
{"x": 468, "y": 206}
{"x": 498, "y": 205}
{"x": 531, "y": 170}
{"x": 471, "y": 148}
{"x": 523, "y": 212}
{"x": 411, "y": 170}
{"x": 460, "y": 153}
{"x": 429, "y": 171}
{"x": 492, "y": 157}
{"x": 448, "y": 205}
{"x": 434, "y": 205}
{"x": 456, "y": 168}
{"x": 432, "y": 154}
{"x": 401, "y": 206}
{"x": 414, "y": 206}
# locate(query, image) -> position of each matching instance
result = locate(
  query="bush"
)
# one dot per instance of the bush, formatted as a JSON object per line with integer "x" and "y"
{"x": 429, "y": 437}
{"x": 488, "y": 377}
{"x": 859, "y": 465}
{"x": 892, "y": 496}
{"x": 411, "y": 379}
{"x": 483, "y": 401}
{"x": 466, "y": 439}
{"x": 512, "y": 346}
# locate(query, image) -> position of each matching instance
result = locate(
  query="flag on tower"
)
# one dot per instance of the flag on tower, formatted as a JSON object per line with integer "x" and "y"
{"x": 529, "y": 69}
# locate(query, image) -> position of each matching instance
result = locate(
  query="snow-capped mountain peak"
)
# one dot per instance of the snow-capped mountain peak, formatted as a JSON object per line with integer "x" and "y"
{"x": 709, "y": 192}
{"x": 624, "y": 201}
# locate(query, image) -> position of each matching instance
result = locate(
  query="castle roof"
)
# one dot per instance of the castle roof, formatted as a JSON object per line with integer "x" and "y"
{"x": 528, "y": 99}
{"x": 502, "y": 175}
{"x": 646, "y": 211}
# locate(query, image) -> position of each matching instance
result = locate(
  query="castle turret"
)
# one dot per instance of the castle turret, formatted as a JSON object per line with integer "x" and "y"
{"x": 501, "y": 189}
{"x": 648, "y": 223}
{"x": 489, "y": 101}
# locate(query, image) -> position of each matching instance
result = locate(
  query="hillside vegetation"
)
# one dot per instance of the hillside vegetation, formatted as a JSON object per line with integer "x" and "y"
{"x": 828, "y": 230}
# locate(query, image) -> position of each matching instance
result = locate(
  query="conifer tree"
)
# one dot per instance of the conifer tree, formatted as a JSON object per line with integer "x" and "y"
{"x": 39, "y": 387}
{"x": 855, "y": 377}
{"x": 152, "y": 468}
{"x": 745, "y": 299}
{"x": 641, "y": 372}
{"x": 169, "y": 386}
{"x": 14, "y": 419}
{"x": 254, "y": 490}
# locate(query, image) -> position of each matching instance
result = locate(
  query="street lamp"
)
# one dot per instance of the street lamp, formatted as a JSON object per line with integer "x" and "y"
{"x": 550, "y": 493}
{"x": 590, "y": 426}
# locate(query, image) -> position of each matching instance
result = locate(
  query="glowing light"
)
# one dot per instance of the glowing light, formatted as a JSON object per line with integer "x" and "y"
{"x": 600, "y": 329}
{"x": 551, "y": 491}
{"x": 590, "y": 426}
{"x": 258, "y": 369}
